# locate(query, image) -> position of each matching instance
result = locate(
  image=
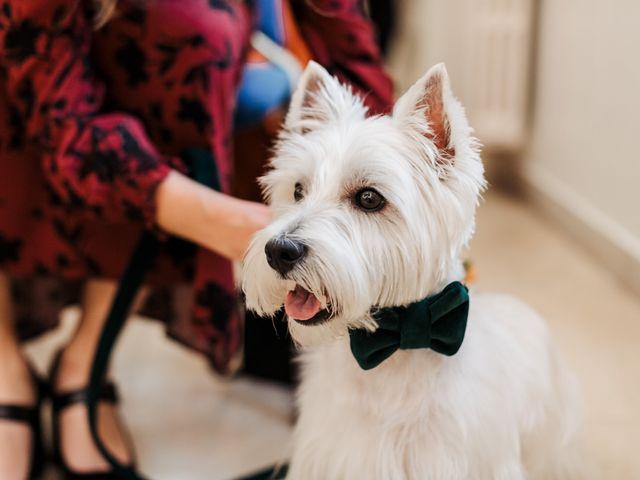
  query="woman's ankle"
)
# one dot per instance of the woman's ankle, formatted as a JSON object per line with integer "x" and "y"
{"x": 16, "y": 383}
{"x": 75, "y": 365}
{"x": 72, "y": 370}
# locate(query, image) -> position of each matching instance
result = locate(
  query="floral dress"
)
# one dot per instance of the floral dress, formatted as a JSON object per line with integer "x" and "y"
{"x": 92, "y": 121}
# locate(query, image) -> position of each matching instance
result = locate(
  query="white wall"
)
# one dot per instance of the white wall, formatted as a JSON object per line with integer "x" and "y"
{"x": 584, "y": 146}
{"x": 586, "y": 129}
{"x": 583, "y": 157}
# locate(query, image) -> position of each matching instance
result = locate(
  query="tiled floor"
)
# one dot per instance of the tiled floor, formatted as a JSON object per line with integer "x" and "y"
{"x": 190, "y": 426}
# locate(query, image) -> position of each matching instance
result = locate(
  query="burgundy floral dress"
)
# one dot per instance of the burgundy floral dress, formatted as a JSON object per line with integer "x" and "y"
{"x": 92, "y": 121}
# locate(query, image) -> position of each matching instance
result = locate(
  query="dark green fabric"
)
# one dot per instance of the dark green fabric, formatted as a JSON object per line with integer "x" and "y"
{"x": 437, "y": 322}
{"x": 202, "y": 167}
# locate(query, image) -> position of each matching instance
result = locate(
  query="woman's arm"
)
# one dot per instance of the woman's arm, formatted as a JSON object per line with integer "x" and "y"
{"x": 219, "y": 222}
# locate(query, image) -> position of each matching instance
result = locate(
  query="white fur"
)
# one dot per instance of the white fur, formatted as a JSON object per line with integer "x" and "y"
{"x": 503, "y": 407}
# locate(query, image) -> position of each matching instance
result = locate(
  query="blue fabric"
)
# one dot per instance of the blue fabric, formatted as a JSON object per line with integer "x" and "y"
{"x": 264, "y": 86}
{"x": 270, "y": 20}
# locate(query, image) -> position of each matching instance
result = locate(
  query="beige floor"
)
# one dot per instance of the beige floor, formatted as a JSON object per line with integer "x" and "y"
{"x": 188, "y": 425}
{"x": 596, "y": 323}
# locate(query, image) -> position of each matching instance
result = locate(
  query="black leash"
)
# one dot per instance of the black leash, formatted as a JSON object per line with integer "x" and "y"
{"x": 130, "y": 283}
{"x": 132, "y": 279}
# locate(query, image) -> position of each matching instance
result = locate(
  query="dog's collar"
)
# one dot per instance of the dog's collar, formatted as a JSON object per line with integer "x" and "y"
{"x": 437, "y": 322}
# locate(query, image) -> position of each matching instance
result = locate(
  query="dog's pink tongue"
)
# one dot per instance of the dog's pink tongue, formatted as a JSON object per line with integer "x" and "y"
{"x": 301, "y": 304}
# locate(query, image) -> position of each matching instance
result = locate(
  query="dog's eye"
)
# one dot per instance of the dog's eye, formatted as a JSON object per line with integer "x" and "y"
{"x": 369, "y": 200}
{"x": 298, "y": 192}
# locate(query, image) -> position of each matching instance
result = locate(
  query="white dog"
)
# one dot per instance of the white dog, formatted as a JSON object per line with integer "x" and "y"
{"x": 371, "y": 214}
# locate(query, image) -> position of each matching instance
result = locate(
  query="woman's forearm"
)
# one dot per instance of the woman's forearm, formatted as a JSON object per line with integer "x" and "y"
{"x": 211, "y": 219}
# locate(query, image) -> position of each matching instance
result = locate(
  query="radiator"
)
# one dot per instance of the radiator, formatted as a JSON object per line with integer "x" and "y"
{"x": 487, "y": 46}
{"x": 500, "y": 60}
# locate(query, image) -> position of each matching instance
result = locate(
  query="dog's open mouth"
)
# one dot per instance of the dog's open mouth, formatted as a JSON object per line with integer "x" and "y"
{"x": 304, "y": 307}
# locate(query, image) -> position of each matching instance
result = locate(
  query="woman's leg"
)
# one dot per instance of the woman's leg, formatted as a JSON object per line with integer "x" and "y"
{"x": 78, "y": 450}
{"x": 15, "y": 388}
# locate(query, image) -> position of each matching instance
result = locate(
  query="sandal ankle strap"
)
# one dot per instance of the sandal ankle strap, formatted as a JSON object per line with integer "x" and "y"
{"x": 27, "y": 414}
{"x": 60, "y": 401}
{"x": 21, "y": 414}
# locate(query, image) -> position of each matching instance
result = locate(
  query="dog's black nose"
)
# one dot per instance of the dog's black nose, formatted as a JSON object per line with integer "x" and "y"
{"x": 283, "y": 253}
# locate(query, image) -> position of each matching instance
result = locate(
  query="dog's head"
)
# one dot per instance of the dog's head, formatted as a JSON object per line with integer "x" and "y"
{"x": 369, "y": 211}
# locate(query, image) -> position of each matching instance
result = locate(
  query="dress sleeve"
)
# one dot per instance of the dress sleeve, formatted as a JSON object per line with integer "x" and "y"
{"x": 342, "y": 39}
{"x": 102, "y": 164}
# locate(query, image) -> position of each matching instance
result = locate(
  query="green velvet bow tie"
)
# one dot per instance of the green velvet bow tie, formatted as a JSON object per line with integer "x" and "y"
{"x": 437, "y": 322}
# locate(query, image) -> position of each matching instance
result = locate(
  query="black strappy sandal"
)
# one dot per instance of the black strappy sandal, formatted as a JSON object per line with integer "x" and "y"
{"x": 31, "y": 417}
{"x": 63, "y": 400}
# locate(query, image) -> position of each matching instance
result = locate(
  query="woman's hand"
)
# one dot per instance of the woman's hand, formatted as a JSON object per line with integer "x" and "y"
{"x": 213, "y": 220}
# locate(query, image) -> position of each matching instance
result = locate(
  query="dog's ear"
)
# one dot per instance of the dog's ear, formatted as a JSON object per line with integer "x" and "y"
{"x": 307, "y": 105}
{"x": 429, "y": 108}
